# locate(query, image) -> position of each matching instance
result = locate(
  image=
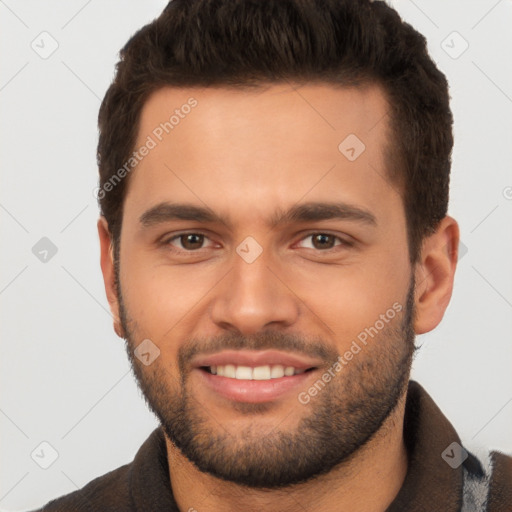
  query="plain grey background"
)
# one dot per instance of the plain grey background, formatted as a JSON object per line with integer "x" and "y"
{"x": 65, "y": 378}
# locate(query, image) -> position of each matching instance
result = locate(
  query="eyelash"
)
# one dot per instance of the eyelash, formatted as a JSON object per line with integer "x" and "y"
{"x": 343, "y": 242}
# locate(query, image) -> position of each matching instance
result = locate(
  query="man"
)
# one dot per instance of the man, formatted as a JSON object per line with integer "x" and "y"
{"x": 273, "y": 187}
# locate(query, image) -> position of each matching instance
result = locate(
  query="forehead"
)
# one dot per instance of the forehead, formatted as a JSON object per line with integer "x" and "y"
{"x": 249, "y": 148}
{"x": 315, "y": 110}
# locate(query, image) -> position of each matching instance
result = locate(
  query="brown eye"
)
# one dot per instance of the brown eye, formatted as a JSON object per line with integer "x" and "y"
{"x": 323, "y": 241}
{"x": 184, "y": 244}
{"x": 191, "y": 241}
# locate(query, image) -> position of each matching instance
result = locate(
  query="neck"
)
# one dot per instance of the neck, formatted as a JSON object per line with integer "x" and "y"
{"x": 368, "y": 482}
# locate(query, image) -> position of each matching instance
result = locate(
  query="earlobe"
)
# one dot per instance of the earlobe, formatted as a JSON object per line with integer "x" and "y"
{"x": 434, "y": 275}
{"x": 107, "y": 269}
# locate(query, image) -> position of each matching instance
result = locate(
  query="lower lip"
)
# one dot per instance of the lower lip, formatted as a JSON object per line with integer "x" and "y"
{"x": 254, "y": 391}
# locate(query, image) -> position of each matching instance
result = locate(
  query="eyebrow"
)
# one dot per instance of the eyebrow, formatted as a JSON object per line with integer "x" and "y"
{"x": 306, "y": 212}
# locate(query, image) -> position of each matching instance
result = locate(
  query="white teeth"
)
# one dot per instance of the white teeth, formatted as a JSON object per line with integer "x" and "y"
{"x": 277, "y": 371}
{"x": 257, "y": 373}
{"x": 230, "y": 371}
{"x": 288, "y": 371}
{"x": 243, "y": 372}
{"x": 261, "y": 373}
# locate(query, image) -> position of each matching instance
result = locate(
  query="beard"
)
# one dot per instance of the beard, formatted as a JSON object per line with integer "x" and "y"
{"x": 334, "y": 425}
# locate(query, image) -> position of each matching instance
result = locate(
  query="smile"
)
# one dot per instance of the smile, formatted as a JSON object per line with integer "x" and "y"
{"x": 266, "y": 372}
{"x": 253, "y": 376}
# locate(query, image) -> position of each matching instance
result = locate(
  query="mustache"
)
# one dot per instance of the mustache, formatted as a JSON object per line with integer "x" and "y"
{"x": 287, "y": 342}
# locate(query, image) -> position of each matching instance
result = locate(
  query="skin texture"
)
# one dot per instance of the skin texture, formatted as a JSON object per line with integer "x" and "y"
{"x": 247, "y": 155}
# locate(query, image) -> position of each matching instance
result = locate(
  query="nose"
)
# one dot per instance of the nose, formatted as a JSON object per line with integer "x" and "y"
{"x": 254, "y": 297}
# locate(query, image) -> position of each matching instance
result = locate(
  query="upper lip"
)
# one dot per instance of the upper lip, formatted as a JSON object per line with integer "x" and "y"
{"x": 256, "y": 358}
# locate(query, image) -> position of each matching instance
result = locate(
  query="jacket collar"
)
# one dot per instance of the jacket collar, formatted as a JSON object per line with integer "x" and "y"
{"x": 434, "y": 476}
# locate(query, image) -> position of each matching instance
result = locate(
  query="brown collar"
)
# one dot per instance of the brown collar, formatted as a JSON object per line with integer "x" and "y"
{"x": 431, "y": 483}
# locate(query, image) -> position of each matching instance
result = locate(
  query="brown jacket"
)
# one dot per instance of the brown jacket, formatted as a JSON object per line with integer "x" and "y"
{"x": 442, "y": 476}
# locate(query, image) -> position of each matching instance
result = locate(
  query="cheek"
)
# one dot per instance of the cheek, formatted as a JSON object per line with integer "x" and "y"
{"x": 348, "y": 299}
{"x": 159, "y": 296}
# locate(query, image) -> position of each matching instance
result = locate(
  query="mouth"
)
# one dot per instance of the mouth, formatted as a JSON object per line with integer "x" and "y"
{"x": 266, "y": 372}
{"x": 254, "y": 376}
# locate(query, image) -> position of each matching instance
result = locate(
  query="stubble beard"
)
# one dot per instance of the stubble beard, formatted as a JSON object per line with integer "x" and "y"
{"x": 333, "y": 427}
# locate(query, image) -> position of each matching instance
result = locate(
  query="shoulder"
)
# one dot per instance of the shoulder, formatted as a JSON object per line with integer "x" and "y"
{"x": 500, "y": 489}
{"x": 110, "y": 491}
{"x": 143, "y": 484}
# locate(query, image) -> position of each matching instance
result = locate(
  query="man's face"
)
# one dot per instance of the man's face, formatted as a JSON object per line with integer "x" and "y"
{"x": 329, "y": 296}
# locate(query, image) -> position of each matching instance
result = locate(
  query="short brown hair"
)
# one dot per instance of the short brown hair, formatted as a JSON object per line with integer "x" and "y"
{"x": 241, "y": 43}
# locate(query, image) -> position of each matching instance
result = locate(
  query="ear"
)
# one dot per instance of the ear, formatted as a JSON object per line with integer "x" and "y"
{"x": 107, "y": 269}
{"x": 434, "y": 273}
